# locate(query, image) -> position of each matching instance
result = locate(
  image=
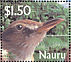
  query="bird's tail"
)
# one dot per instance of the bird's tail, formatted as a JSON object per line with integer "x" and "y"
{"x": 50, "y": 24}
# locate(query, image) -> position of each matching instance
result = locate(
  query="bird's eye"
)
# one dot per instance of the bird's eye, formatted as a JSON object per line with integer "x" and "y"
{"x": 19, "y": 27}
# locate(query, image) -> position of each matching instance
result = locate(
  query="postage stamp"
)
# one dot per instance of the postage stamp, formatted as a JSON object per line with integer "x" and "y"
{"x": 35, "y": 30}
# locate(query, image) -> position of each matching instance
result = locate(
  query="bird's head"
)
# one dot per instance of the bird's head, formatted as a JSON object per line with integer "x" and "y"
{"x": 18, "y": 34}
{"x": 18, "y": 30}
{"x": 24, "y": 33}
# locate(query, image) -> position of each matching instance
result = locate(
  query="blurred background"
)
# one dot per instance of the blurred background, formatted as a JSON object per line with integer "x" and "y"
{"x": 41, "y": 12}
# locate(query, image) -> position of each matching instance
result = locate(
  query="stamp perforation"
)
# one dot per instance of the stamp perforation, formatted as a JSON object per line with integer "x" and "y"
{"x": 69, "y": 32}
{"x": 1, "y": 31}
{"x": 34, "y": 1}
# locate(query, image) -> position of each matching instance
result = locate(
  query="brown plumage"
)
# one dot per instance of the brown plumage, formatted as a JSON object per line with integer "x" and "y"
{"x": 21, "y": 37}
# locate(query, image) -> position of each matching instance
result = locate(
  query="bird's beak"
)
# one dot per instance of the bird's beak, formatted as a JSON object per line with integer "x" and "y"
{"x": 50, "y": 24}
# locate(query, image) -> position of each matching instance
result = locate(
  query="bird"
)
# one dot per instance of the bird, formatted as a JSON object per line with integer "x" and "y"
{"x": 22, "y": 36}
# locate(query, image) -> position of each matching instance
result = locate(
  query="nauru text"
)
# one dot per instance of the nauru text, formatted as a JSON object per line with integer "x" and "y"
{"x": 46, "y": 55}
